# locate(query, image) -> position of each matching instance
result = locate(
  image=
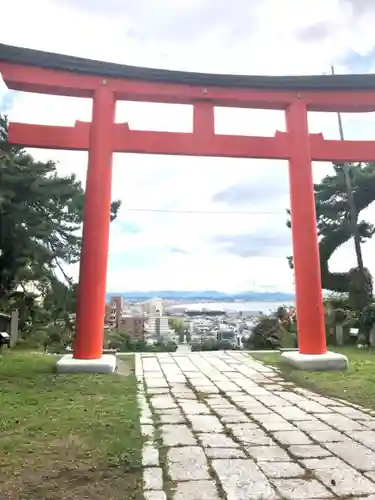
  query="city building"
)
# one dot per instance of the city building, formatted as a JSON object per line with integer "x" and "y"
{"x": 153, "y": 307}
{"x": 133, "y": 325}
{"x": 157, "y": 328}
{"x": 114, "y": 311}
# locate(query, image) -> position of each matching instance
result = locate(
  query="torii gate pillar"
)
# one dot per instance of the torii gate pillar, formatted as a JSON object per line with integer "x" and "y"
{"x": 88, "y": 345}
{"x": 312, "y": 353}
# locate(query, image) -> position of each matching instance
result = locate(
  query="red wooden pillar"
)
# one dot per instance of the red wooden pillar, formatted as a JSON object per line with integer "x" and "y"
{"x": 96, "y": 223}
{"x": 309, "y": 304}
{"x": 204, "y": 119}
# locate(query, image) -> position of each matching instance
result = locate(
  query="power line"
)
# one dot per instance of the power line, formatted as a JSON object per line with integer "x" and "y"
{"x": 199, "y": 212}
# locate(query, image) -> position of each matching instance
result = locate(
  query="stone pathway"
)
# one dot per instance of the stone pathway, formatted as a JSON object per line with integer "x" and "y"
{"x": 220, "y": 425}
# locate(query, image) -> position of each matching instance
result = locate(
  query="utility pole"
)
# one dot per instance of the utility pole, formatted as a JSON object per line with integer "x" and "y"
{"x": 352, "y": 208}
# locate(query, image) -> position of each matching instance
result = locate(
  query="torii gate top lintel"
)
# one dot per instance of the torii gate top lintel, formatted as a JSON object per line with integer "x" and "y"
{"x": 80, "y": 77}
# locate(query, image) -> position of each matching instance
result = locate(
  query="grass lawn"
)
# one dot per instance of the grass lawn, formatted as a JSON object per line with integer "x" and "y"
{"x": 67, "y": 437}
{"x": 357, "y": 385}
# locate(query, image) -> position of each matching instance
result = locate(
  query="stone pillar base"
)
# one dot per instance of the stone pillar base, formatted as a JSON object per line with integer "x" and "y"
{"x": 330, "y": 361}
{"x": 68, "y": 364}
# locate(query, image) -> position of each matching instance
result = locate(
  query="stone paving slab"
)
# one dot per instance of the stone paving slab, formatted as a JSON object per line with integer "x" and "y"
{"x": 196, "y": 490}
{"x": 222, "y": 426}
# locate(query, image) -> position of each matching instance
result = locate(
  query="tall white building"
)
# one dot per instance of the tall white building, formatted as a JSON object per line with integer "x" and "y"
{"x": 157, "y": 328}
{"x": 153, "y": 307}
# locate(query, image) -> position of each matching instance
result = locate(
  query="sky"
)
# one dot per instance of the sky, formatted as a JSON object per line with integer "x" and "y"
{"x": 198, "y": 223}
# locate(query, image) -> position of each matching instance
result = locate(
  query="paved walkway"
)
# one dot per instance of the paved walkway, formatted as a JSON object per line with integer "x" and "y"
{"x": 220, "y": 425}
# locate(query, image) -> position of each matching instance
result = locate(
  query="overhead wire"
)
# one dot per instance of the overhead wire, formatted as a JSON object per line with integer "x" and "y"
{"x": 199, "y": 212}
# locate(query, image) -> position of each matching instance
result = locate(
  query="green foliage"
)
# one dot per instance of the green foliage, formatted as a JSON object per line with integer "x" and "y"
{"x": 339, "y": 315}
{"x": 169, "y": 346}
{"x": 123, "y": 342}
{"x": 178, "y": 326}
{"x": 45, "y": 323}
{"x": 27, "y": 305}
{"x": 51, "y": 338}
{"x": 225, "y": 345}
{"x": 367, "y": 321}
{"x": 212, "y": 345}
{"x": 368, "y": 315}
{"x": 274, "y": 331}
{"x": 266, "y": 334}
{"x": 181, "y": 337}
{"x": 360, "y": 293}
{"x": 41, "y": 213}
{"x": 336, "y": 301}
{"x": 281, "y": 313}
{"x": 196, "y": 346}
{"x": 288, "y": 336}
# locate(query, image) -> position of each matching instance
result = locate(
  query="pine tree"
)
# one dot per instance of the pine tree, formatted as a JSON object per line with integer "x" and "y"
{"x": 333, "y": 225}
{"x": 41, "y": 215}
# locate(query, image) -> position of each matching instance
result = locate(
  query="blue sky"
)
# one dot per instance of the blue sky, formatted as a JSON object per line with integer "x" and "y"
{"x": 243, "y": 244}
{"x": 357, "y": 63}
{"x": 6, "y": 100}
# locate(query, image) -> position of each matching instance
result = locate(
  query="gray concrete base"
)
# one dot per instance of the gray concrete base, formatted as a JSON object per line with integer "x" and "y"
{"x": 68, "y": 364}
{"x": 329, "y": 361}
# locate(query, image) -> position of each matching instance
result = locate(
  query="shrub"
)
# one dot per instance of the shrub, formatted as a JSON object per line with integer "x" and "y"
{"x": 340, "y": 315}
{"x": 266, "y": 334}
{"x": 210, "y": 345}
{"x": 337, "y": 301}
{"x": 282, "y": 313}
{"x": 137, "y": 345}
{"x": 50, "y": 337}
{"x": 196, "y": 346}
{"x": 171, "y": 347}
{"x": 225, "y": 345}
{"x": 162, "y": 347}
{"x": 123, "y": 342}
{"x": 367, "y": 317}
{"x": 366, "y": 322}
{"x": 289, "y": 336}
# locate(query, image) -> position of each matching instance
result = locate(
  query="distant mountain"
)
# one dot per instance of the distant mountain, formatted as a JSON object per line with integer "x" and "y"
{"x": 207, "y": 295}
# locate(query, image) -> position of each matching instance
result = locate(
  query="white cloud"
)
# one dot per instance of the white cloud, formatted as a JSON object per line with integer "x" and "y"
{"x": 210, "y": 36}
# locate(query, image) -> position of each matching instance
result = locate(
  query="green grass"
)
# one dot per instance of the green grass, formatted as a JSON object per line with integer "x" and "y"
{"x": 356, "y": 385}
{"x": 67, "y": 436}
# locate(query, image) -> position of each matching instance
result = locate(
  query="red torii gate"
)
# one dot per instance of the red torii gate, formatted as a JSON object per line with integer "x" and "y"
{"x": 105, "y": 83}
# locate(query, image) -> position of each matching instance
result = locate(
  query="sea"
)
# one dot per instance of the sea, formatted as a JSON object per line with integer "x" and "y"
{"x": 265, "y": 307}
